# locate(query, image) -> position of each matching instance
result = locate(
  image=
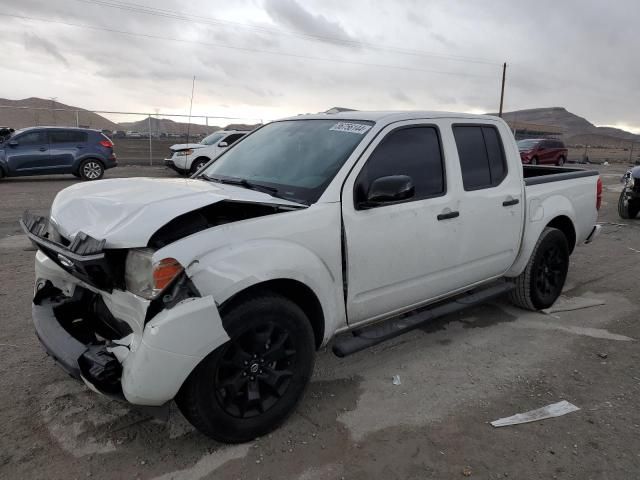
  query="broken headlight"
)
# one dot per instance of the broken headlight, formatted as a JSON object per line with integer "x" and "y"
{"x": 145, "y": 278}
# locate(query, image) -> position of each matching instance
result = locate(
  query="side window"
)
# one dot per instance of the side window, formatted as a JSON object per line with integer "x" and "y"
{"x": 68, "y": 136}
{"x": 481, "y": 156}
{"x": 32, "y": 138}
{"x": 234, "y": 137}
{"x": 412, "y": 151}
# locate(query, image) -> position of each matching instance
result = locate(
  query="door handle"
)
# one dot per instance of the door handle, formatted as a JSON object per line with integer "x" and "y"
{"x": 43, "y": 149}
{"x": 508, "y": 203}
{"x": 447, "y": 216}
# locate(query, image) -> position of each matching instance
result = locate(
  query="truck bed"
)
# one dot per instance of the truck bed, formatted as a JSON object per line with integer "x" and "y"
{"x": 537, "y": 174}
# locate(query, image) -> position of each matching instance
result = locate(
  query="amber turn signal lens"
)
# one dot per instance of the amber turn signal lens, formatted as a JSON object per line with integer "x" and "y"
{"x": 165, "y": 271}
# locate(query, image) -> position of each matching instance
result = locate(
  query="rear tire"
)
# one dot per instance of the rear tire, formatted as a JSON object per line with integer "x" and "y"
{"x": 250, "y": 385}
{"x": 626, "y": 209}
{"x": 198, "y": 163}
{"x": 541, "y": 283}
{"x": 91, "y": 169}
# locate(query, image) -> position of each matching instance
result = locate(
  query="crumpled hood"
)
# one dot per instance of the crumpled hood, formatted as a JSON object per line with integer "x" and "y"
{"x": 186, "y": 146}
{"x": 126, "y": 212}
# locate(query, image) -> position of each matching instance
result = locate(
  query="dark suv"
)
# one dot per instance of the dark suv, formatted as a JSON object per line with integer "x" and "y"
{"x": 540, "y": 151}
{"x": 82, "y": 152}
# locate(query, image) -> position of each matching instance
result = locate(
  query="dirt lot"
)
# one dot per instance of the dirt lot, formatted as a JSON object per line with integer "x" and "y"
{"x": 354, "y": 423}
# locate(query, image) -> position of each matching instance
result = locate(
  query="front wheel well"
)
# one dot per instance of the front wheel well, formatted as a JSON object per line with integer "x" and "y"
{"x": 565, "y": 225}
{"x": 295, "y": 291}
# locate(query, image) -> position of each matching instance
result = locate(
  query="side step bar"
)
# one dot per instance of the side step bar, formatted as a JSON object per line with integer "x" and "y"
{"x": 369, "y": 336}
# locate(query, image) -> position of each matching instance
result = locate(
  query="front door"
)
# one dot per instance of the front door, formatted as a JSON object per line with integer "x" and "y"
{"x": 399, "y": 254}
{"x": 28, "y": 153}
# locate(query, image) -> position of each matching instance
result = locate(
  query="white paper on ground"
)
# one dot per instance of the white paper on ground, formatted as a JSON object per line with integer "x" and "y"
{"x": 567, "y": 304}
{"x": 550, "y": 411}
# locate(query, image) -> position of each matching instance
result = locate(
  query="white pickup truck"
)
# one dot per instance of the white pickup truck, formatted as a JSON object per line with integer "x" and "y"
{"x": 355, "y": 227}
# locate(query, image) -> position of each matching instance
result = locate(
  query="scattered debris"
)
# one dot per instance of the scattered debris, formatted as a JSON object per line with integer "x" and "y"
{"x": 633, "y": 250}
{"x": 606, "y": 164}
{"x": 8, "y": 345}
{"x": 550, "y": 411}
{"x": 603, "y": 355}
{"x": 567, "y": 304}
{"x": 466, "y": 471}
{"x": 396, "y": 380}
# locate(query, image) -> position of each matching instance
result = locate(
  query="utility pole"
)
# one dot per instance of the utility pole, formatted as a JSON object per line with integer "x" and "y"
{"x": 504, "y": 74}
{"x": 193, "y": 86}
{"x": 53, "y": 109}
{"x": 150, "y": 144}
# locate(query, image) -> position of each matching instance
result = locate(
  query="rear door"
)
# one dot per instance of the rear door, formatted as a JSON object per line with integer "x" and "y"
{"x": 65, "y": 147}
{"x": 400, "y": 254}
{"x": 30, "y": 153}
{"x": 491, "y": 203}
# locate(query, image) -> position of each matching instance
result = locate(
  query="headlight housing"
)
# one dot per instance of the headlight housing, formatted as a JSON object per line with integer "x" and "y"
{"x": 145, "y": 278}
{"x": 184, "y": 153}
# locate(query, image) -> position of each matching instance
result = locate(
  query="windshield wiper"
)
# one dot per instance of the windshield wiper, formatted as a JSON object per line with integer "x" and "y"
{"x": 243, "y": 182}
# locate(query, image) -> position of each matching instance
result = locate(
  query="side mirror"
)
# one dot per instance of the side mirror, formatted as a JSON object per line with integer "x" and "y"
{"x": 391, "y": 189}
{"x": 13, "y": 143}
{"x": 223, "y": 144}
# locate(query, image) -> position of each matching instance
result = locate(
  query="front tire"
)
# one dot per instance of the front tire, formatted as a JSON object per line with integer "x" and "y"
{"x": 91, "y": 169}
{"x": 560, "y": 161}
{"x": 626, "y": 209}
{"x": 541, "y": 283}
{"x": 198, "y": 163}
{"x": 534, "y": 161}
{"x": 250, "y": 385}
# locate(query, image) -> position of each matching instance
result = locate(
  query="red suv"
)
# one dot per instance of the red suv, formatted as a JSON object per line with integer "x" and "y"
{"x": 539, "y": 151}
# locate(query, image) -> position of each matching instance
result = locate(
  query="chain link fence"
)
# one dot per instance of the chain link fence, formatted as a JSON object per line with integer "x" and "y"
{"x": 139, "y": 138}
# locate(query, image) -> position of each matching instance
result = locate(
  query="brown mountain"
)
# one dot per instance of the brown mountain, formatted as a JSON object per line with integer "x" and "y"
{"x": 577, "y": 130}
{"x": 30, "y": 112}
{"x": 33, "y": 111}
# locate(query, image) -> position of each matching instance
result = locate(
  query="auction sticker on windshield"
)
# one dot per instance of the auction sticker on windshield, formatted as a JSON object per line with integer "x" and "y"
{"x": 349, "y": 127}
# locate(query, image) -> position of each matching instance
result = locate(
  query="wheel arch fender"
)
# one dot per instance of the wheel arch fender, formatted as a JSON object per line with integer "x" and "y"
{"x": 554, "y": 211}
{"x": 75, "y": 167}
{"x": 278, "y": 265}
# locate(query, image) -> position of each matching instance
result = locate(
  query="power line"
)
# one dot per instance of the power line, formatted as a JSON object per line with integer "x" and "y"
{"x": 245, "y": 49}
{"x": 135, "y": 7}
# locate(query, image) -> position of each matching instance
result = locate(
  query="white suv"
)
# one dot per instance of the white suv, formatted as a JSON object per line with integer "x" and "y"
{"x": 188, "y": 158}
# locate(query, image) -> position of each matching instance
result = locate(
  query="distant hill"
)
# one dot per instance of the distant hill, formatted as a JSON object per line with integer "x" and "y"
{"x": 577, "y": 130}
{"x": 163, "y": 125}
{"x": 31, "y": 112}
{"x": 21, "y": 117}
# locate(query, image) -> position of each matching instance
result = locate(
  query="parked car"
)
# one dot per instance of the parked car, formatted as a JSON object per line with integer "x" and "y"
{"x": 133, "y": 134}
{"x": 629, "y": 201}
{"x": 82, "y": 152}
{"x": 351, "y": 227}
{"x": 542, "y": 151}
{"x": 188, "y": 158}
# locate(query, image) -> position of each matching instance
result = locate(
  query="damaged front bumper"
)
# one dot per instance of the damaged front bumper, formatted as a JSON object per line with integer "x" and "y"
{"x": 116, "y": 342}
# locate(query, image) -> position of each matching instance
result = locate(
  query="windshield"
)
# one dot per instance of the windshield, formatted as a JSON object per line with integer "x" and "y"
{"x": 527, "y": 144}
{"x": 213, "y": 138}
{"x": 298, "y": 158}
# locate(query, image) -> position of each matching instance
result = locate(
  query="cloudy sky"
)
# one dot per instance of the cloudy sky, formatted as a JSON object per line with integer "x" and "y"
{"x": 264, "y": 59}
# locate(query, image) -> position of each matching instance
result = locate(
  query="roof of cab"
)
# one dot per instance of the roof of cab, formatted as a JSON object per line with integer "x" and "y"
{"x": 389, "y": 116}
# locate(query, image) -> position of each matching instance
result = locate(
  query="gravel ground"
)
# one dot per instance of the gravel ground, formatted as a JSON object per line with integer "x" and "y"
{"x": 456, "y": 376}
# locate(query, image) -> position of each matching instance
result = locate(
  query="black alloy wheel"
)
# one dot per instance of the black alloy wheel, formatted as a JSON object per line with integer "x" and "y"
{"x": 255, "y": 371}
